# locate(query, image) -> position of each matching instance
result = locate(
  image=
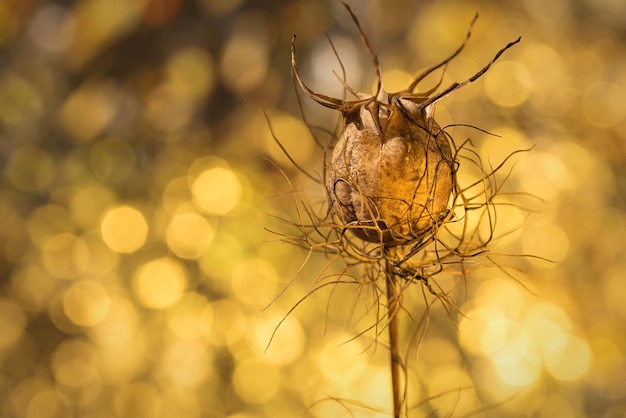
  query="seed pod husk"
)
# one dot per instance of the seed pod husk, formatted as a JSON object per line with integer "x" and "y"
{"x": 391, "y": 174}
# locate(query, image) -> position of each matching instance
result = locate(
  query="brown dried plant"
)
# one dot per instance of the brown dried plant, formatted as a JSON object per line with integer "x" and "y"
{"x": 396, "y": 214}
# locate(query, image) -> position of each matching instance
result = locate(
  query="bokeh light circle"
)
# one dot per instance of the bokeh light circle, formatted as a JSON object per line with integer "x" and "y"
{"x": 509, "y": 85}
{"x": 256, "y": 381}
{"x": 342, "y": 360}
{"x": 244, "y": 61}
{"x": 74, "y": 363}
{"x": 254, "y": 282}
{"x": 191, "y": 71}
{"x": 25, "y": 175}
{"x": 190, "y": 317}
{"x": 292, "y": 134}
{"x": 124, "y": 229}
{"x": 280, "y": 345}
{"x": 187, "y": 362}
{"x": 568, "y": 357}
{"x": 86, "y": 303}
{"x": 231, "y": 326}
{"x": 189, "y": 235}
{"x": 604, "y": 104}
{"x": 138, "y": 400}
{"x": 120, "y": 324}
{"x": 159, "y": 283}
{"x": 217, "y": 191}
{"x": 66, "y": 256}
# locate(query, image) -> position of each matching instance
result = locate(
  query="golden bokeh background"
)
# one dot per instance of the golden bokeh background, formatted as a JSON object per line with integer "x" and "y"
{"x": 136, "y": 271}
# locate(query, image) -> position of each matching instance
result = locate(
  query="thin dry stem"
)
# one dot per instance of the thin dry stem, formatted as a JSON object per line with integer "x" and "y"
{"x": 394, "y": 303}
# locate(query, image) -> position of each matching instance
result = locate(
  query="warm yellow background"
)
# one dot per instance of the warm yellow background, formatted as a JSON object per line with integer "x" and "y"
{"x": 134, "y": 263}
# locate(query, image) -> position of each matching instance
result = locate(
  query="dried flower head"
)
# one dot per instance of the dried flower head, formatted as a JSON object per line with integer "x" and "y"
{"x": 391, "y": 181}
{"x": 391, "y": 174}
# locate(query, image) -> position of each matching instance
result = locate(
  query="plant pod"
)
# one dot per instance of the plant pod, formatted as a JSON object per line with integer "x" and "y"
{"x": 391, "y": 173}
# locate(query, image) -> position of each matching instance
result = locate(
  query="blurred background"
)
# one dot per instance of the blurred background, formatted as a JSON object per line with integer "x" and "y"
{"x": 137, "y": 277}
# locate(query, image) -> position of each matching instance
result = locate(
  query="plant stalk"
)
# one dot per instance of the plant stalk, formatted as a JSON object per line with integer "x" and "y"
{"x": 393, "y": 309}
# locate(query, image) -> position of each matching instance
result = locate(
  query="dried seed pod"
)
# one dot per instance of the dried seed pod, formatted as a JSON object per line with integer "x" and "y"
{"x": 391, "y": 173}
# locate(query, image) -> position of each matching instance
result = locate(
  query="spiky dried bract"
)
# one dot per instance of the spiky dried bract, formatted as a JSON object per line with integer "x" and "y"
{"x": 391, "y": 173}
